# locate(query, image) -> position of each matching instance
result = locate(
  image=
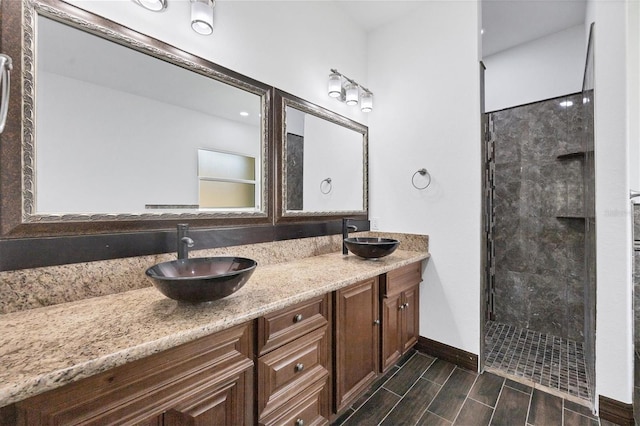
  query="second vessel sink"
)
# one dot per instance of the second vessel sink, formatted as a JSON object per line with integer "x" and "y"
{"x": 371, "y": 247}
{"x": 201, "y": 279}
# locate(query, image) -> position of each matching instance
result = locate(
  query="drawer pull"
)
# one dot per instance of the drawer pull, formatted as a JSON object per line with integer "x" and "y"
{"x": 299, "y": 367}
{"x": 297, "y": 318}
{"x": 299, "y": 422}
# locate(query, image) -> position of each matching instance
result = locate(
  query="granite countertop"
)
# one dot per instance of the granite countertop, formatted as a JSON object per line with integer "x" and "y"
{"x": 45, "y": 348}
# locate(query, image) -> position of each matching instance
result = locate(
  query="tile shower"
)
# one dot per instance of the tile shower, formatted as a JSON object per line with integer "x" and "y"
{"x": 541, "y": 301}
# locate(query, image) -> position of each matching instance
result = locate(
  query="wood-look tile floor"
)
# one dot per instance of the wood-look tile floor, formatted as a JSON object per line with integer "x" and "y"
{"x": 422, "y": 390}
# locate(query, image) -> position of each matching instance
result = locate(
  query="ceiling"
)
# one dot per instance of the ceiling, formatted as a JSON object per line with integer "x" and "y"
{"x": 506, "y": 23}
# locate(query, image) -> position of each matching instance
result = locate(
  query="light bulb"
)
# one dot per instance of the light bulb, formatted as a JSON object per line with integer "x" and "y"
{"x": 366, "y": 102}
{"x": 335, "y": 85}
{"x": 351, "y": 94}
{"x": 202, "y": 16}
{"x": 153, "y": 5}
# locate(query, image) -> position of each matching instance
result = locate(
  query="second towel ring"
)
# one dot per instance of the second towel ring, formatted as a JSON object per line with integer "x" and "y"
{"x": 421, "y": 172}
{"x": 328, "y": 181}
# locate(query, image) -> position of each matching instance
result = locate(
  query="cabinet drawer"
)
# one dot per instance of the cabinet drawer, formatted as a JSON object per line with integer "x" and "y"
{"x": 285, "y": 371}
{"x": 305, "y": 409}
{"x": 400, "y": 279}
{"x": 282, "y": 327}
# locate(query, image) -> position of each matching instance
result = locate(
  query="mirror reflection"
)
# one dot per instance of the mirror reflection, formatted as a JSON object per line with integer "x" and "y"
{"x": 325, "y": 165}
{"x": 119, "y": 131}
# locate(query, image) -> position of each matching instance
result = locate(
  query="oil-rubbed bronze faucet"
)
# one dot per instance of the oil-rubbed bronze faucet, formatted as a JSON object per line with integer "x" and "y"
{"x": 184, "y": 242}
{"x": 345, "y": 233}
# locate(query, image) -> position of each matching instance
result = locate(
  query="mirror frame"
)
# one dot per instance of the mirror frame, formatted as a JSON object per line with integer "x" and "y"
{"x": 282, "y": 100}
{"x": 17, "y": 143}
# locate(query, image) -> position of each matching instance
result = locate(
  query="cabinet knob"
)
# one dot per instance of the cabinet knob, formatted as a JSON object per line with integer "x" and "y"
{"x": 299, "y": 367}
{"x": 401, "y": 307}
{"x": 299, "y": 422}
{"x": 406, "y": 305}
{"x": 297, "y": 318}
{"x": 376, "y": 322}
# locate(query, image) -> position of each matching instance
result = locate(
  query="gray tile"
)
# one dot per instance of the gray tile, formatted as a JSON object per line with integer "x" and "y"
{"x": 512, "y": 408}
{"x": 452, "y": 395}
{"x": 439, "y": 371}
{"x": 408, "y": 374}
{"x": 546, "y": 409}
{"x": 571, "y": 418}
{"x": 375, "y": 409}
{"x": 430, "y": 419}
{"x": 474, "y": 413}
{"x": 410, "y": 409}
{"x": 487, "y": 389}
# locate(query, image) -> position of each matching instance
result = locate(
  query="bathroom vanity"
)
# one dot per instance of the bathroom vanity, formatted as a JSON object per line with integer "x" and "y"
{"x": 287, "y": 348}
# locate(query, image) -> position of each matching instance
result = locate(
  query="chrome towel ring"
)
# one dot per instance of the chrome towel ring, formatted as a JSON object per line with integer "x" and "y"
{"x": 326, "y": 188}
{"x": 421, "y": 172}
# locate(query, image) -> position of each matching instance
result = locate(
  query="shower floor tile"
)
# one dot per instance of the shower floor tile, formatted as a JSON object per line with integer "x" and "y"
{"x": 550, "y": 361}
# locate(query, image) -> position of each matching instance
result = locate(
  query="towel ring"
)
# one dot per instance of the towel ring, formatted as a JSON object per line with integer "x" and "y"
{"x": 421, "y": 172}
{"x": 328, "y": 181}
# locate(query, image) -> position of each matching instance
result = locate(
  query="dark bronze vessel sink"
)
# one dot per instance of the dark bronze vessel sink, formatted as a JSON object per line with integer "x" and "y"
{"x": 371, "y": 247}
{"x": 201, "y": 279}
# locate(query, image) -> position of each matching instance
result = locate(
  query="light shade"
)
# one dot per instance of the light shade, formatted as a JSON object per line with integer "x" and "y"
{"x": 335, "y": 85}
{"x": 351, "y": 94}
{"x": 202, "y": 16}
{"x": 153, "y": 5}
{"x": 366, "y": 102}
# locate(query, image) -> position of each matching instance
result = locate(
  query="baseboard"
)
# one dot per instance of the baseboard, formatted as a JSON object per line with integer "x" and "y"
{"x": 448, "y": 353}
{"x": 615, "y": 411}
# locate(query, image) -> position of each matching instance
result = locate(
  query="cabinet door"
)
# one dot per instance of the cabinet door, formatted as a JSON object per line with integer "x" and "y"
{"x": 392, "y": 343}
{"x": 221, "y": 403}
{"x": 357, "y": 343}
{"x": 410, "y": 318}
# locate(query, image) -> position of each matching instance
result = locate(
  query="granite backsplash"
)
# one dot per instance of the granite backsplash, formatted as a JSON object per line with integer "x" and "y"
{"x": 38, "y": 287}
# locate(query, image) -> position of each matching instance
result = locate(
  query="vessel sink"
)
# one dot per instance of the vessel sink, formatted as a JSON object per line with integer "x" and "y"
{"x": 201, "y": 279}
{"x": 371, "y": 247}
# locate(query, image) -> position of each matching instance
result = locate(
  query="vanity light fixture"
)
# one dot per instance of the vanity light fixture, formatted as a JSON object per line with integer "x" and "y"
{"x": 349, "y": 91}
{"x": 202, "y": 16}
{"x": 153, "y": 5}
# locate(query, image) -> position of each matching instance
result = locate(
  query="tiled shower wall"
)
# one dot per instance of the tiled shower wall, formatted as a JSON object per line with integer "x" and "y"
{"x": 539, "y": 231}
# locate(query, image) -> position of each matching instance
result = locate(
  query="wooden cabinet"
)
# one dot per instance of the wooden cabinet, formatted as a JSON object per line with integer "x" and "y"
{"x": 312, "y": 360}
{"x": 356, "y": 340}
{"x": 293, "y": 365}
{"x": 207, "y": 381}
{"x": 400, "y": 304}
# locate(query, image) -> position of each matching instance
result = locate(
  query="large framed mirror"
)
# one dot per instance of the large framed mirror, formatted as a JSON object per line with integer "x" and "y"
{"x": 110, "y": 130}
{"x": 323, "y": 162}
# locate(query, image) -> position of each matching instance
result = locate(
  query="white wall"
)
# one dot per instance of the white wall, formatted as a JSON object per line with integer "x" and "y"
{"x": 541, "y": 69}
{"x": 614, "y": 326}
{"x": 424, "y": 70}
{"x": 287, "y": 44}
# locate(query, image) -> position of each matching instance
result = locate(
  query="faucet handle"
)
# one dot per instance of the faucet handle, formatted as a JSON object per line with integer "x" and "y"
{"x": 188, "y": 241}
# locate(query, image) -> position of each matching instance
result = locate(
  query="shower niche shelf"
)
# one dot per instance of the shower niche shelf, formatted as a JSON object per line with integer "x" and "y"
{"x": 573, "y": 154}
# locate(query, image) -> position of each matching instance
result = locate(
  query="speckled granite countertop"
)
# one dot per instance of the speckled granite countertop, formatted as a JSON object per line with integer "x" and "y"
{"x": 45, "y": 348}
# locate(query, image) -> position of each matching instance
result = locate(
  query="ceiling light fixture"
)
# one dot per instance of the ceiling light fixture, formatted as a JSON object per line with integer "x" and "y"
{"x": 202, "y": 16}
{"x": 153, "y": 5}
{"x": 349, "y": 91}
